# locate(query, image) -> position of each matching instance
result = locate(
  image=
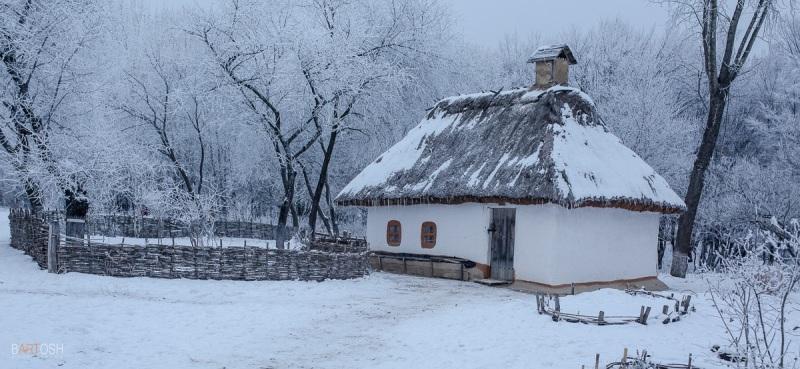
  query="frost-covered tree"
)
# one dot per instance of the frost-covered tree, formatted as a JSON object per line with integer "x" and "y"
{"x": 754, "y": 303}
{"x": 309, "y": 71}
{"x": 42, "y": 50}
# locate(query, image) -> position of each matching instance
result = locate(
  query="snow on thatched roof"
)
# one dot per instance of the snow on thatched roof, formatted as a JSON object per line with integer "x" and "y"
{"x": 551, "y": 52}
{"x": 518, "y": 146}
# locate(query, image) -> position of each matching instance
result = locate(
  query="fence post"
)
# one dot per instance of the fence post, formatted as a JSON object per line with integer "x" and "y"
{"x": 75, "y": 231}
{"x": 52, "y": 247}
{"x": 280, "y": 237}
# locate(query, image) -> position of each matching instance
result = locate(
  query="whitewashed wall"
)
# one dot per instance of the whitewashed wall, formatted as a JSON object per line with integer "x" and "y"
{"x": 461, "y": 230}
{"x": 554, "y": 245}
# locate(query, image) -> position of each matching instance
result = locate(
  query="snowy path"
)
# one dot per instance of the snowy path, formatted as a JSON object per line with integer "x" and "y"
{"x": 383, "y": 321}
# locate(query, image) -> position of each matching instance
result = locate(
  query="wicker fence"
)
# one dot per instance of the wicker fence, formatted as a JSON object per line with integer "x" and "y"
{"x": 326, "y": 258}
{"x": 242, "y": 263}
{"x": 29, "y": 233}
{"x": 147, "y": 227}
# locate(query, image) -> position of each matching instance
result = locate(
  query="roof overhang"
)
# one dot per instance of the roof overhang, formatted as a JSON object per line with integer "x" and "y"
{"x": 627, "y": 204}
{"x": 552, "y": 52}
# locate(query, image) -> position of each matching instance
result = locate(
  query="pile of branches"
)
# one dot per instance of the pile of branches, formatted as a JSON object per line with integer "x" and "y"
{"x": 643, "y": 361}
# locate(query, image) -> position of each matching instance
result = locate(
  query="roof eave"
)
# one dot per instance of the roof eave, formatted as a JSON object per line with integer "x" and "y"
{"x": 627, "y": 204}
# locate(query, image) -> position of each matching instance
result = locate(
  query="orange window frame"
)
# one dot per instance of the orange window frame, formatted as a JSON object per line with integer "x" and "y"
{"x": 394, "y": 233}
{"x": 428, "y": 235}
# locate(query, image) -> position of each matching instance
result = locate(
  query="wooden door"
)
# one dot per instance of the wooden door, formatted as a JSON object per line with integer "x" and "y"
{"x": 502, "y": 243}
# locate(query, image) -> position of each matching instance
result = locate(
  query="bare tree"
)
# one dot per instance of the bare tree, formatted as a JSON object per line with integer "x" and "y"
{"x": 360, "y": 53}
{"x": 165, "y": 107}
{"x": 752, "y": 301}
{"x": 154, "y": 104}
{"x": 721, "y": 70}
{"x": 253, "y": 64}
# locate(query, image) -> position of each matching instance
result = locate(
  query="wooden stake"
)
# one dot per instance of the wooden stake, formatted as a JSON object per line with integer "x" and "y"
{"x": 596, "y": 361}
{"x": 625, "y": 357}
{"x": 538, "y": 305}
{"x": 646, "y": 315}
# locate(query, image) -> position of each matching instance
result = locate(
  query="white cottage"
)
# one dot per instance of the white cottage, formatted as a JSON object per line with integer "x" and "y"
{"x": 528, "y": 184}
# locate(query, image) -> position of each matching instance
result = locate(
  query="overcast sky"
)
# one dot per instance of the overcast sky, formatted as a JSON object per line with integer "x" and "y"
{"x": 488, "y": 21}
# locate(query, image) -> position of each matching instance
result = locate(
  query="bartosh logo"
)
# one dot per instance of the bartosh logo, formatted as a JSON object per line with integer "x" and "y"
{"x": 37, "y": 349}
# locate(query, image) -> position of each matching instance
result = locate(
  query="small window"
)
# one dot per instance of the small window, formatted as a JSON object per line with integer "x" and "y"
{"x": 394, "y": 233}
{"x": 428, "y": 235}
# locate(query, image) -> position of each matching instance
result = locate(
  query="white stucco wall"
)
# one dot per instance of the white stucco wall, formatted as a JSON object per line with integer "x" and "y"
{"x": 556, "y": 245}
{"x": 460, "y": 229}
{"x": 553, "y": 245}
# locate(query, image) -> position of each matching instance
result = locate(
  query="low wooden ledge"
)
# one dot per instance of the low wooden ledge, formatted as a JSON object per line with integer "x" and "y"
{"x": 649, "y": 283}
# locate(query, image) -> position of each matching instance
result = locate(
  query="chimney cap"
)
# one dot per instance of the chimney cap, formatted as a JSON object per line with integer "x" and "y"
{"x": 551, "y": 52}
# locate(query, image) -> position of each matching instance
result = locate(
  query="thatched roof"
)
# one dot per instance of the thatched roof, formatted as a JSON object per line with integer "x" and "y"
{"x": 519, "y": 146}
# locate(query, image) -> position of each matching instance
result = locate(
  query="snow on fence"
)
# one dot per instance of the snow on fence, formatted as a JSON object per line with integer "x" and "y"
{"x": 327, "y": 243}
{"x": 326, "y": 258}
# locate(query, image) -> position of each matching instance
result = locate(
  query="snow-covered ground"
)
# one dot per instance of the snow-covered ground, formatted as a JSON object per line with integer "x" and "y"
{"x": 382, "y": 321}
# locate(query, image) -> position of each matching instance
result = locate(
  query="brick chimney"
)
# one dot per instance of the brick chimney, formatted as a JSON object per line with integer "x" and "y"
{"x": 552, "y": 65}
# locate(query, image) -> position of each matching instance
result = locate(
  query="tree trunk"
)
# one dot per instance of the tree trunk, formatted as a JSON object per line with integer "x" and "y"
{"x": 288, "y": 176}
{"x": 316, "y": 197}
{"x": 332, "y": 210}
{"x": 662, "y": 241}
{"x": 683, "y": 243}
{"x": 33, "y": 194}
{"x": 320, "y": 213}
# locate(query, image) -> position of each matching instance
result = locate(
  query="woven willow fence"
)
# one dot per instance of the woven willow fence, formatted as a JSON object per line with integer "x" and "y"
{"x": 325, "y": 258}
{"x": 147, "y": 227}
{"x": 29, "y": 233}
